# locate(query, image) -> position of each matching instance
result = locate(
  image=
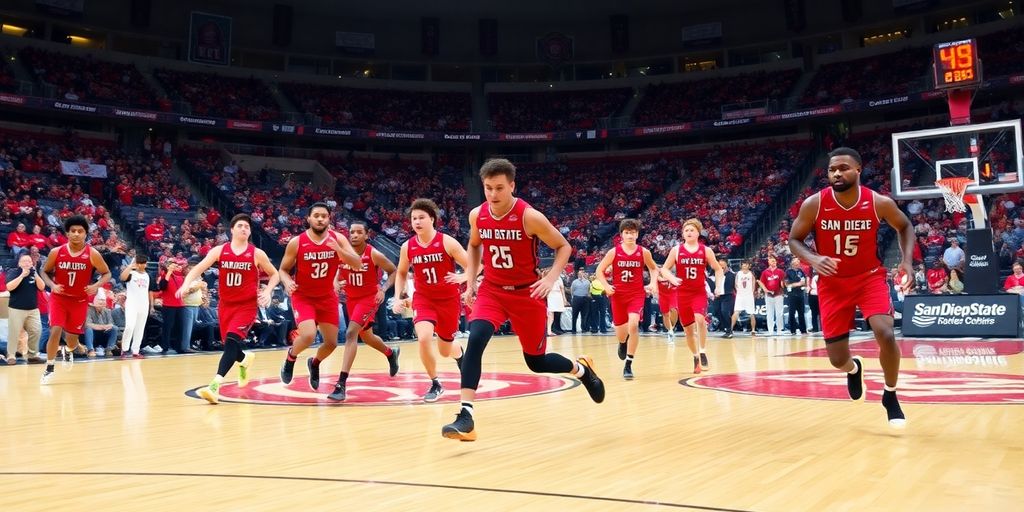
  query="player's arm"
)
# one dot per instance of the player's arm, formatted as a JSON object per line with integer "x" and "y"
{"x": 284, "y": 272}
{"x": 211, "y": 257}
{"x": 401, "y": 273}
{"x": 670, "y": 263}
{"x": 345, "y": 250}
{"x": 263, "y": 262}
{"x": 802, "y": 226}
{"x": 536, "y": 224}
{"x": 101, "y": 268}
{"x": 602, "y": 267}
{"x": 474, "y": 253}
{"x": 652, "y": 269}
{"x": 384, "y": 264}
{"x": 709, "y": 255}
{"x": 887, "y": 210}
{"x": 458, "y": 253}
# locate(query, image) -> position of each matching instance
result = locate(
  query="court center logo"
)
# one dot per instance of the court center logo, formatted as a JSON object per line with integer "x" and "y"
{"x": 381, "y": 389}
{"x": 931, "y": 387}
{"x": 976, "y": 313}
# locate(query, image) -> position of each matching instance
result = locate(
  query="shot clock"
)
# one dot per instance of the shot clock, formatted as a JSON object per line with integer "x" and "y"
{"x": 956, "y": 64}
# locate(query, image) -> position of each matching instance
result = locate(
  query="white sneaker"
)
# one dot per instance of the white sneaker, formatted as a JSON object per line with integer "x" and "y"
{"x": 151, "y": 350}
{"x": 46, "y": 378}
{"x": 100, "y": 352}
{"x": 67, "y": 357}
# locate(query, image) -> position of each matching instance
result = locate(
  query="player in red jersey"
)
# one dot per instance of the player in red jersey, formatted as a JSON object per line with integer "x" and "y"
{"x": 689, "y": 259}
{"x": 315, "y": 256}
{"x": 844, "y": 219}
{"x": 364, "y": 295}
{"x": 668, "y": 304}
{"x": 626, "y": 263}
{"x": 432, "y": 256}
{"x": 237, "y": 286}
{"x": 67, "y": 271}
{"x": 504, "y": 233}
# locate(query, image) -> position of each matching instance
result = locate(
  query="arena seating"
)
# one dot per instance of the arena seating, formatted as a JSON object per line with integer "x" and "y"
{"x": 889, "y": 74}
{"x": 382, "y": 109}
{"x": 89, "y": 80}
{"x": 558, "y": 110}
{"x": 703, "y": 99}
{"x": 221, "y": 96}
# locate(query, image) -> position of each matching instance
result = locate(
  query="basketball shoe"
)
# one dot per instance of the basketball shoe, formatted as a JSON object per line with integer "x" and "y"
{"x": 462, "y": 428}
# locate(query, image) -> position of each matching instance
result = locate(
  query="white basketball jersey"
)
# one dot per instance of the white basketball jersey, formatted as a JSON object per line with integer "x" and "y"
{"x": 745, "y": 284}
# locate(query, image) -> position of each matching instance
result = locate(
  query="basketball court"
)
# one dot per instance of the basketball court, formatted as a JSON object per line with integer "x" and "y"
{"x": 767, "y": 428}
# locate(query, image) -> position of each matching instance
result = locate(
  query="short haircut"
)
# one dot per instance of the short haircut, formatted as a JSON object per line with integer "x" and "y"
{"x": 427, "y": 206}
{"x": 629, "y": 225}
{"x": 76, "y": 220}
{"x": 845, "y": 151}
{"x": 318, "y": 204}
{"x": 241, "y": 216}
{"x": 357, "y": 223}
{"x": 141, "y": 257}
{"x": 498, "y": 166}
{"x": 695, "y": 223}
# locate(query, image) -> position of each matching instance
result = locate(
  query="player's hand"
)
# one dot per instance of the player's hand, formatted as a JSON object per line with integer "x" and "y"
{"x": 92, "y": 289}
{"x": 652, "y": 289}
{"x": 399, "y": 306}
{"x": 541, "y": 288}
{"x": 263, "y": 300}
{"x": 290, "y": 288}
{"x": 675, "y": 281}
{"x": 825, "y": 265}
{"x": 469, "y": 296}
{"x": 908, "y": 280}
{"x": 379, "y": 298}
{"x": 453, "y": 278}
{"x": 180, "y": 293}
{"x": 610, "y": 290}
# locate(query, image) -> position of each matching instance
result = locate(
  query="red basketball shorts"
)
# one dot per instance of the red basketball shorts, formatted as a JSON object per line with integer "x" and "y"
{"x": 361, "y": 310}
{"x": 322, "y": 310}
{"x": 839, "y": 298}
{"x": 668, "y": 301}
{"x": 236, "y": 318}
{"x": 443, "y": 313}
{"x": 690, "y": 305}
{"x": 529, "y": 316}
{"x": 625, "y": 303}
{"x": 68, "y": 313}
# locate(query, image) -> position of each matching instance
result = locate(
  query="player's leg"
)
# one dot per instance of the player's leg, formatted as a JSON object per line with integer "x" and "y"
{"x": 876, "y": 306}
{"x": 632, "y": 342}
{"x": 688, "y": 319}
{"x": 305, "y": 325}
{"x": 701, "y": 332}
{"x": 425, "y": 342}
{"x": 837, "y": 312}
{"x": 329, "y": 332}
{"x": 620, "y": 322}
{"x": 348, "y": 356}
{"x": 374, "y": 341}
{"x": 446, "y": 326}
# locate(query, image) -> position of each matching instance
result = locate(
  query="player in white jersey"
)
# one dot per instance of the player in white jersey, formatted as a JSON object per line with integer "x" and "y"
{"x": 137, "y": 306}
{"x": 745, "y": 296}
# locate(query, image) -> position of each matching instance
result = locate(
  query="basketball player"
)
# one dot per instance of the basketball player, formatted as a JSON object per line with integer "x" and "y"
{"x": 626, "y": 261}
{"x": 315, "y": 256}
{"x": 67, "y": 271}
{"x": 668, "y": 303}
{"x": 238, "y": 283}
{"x": 503, "y": 233}
{"x": 690, "y": 258}
{"x": 745, "y": 296}
{"x": 363, "y": 296}
{"x": 844, "y": 219}
{"x": 432, "y": 255}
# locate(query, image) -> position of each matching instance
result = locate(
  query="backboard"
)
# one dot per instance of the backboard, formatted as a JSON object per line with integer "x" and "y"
{"x": 989, "y": 154}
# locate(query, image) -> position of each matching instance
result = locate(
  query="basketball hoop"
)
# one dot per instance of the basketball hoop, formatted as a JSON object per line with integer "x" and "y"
{"x": 953, "y": 192}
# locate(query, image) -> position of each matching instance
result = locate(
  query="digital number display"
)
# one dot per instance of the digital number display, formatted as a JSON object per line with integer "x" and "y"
{"x": 956, "y": 64}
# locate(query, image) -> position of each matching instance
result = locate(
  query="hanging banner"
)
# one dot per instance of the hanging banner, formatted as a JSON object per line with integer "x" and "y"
{"x": 83, "y": 168}
{"x": 209, "y": 39}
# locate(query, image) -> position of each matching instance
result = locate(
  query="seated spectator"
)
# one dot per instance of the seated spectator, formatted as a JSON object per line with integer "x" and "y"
{"x": 100, "y": 323}
{"x": 938, "y": 278}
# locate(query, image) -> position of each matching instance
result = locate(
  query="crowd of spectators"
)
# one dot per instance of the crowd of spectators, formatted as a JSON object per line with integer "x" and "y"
{"x": 889, "y": 74}
{"x": 91, "y": 80}
{"x": 380, "y": 109}
{"x": 703, "y": 99}
{"x": 1000, "y": 52}
{"x": 221, "y": 96}
{"x": 8, "y": 83}
{"x": 556, "y": 110}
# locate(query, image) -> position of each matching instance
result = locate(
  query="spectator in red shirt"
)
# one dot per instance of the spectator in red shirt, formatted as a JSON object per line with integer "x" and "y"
{"x": 937, "y": 278}
{"x": 935, "y": 239}
{"x": 771, "y": 283}
{"x": 18, "y": 240}
{"x": 155, "y": 232}
{"x": 56, "y": 238}
{"x": 1015, "y": 282}
{"x": 37, "y": 239}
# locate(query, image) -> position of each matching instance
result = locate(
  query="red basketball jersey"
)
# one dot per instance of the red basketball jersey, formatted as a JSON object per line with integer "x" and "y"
{"x": 430, "y": 265}
{"x": 239, "y": 279}
{"x": 848, "y": 234}
{"x": 509, "y": 253}
{"x": 361, "y": 282}
{"x": 666, "y": 288}
{"x": 316, "y": 264}
{"x": 628, "y": 271}
{"x": 74, "y": 273}
{"x": 690, "y": 268}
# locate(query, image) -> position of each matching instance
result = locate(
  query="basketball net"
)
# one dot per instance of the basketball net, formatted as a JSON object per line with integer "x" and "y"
{"x": 953, "y": 192}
